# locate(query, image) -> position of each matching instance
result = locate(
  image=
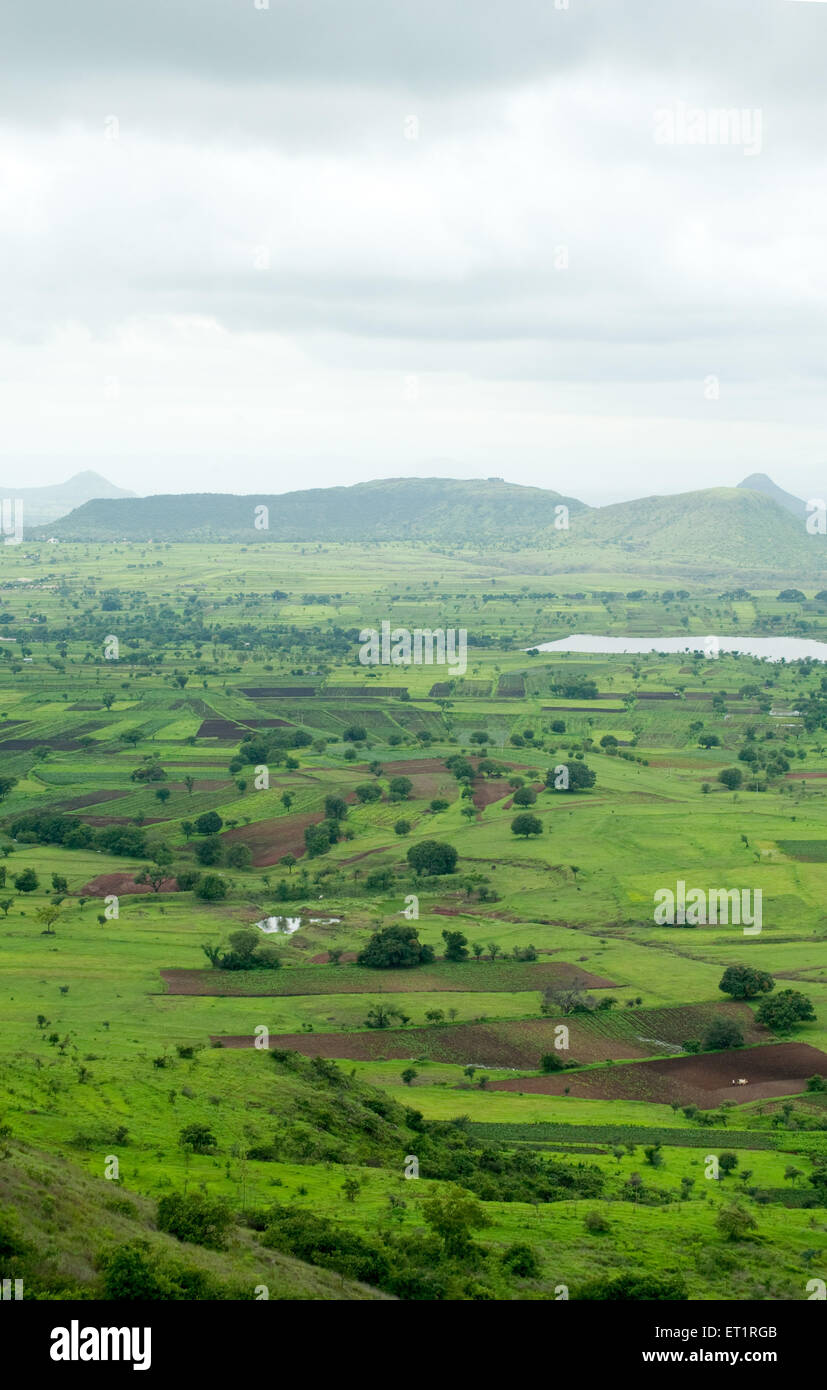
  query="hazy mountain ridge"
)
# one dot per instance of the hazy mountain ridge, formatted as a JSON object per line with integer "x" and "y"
{"x": 759, "y": 482}
{"x": 446, "y": 510}
{"x": 44, "y": 504}
{"x": 735, "y": 529}
{"x": 713, "y": 529}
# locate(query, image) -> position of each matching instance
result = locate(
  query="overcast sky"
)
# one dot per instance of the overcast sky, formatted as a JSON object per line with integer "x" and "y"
{"x": 255, "y": 249}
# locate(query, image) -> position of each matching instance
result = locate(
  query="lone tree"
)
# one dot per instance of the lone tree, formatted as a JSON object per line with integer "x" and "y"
{"x": 453, "y": 1216}
{"x": 526, "y": 824}
{"x": 394, "y": 948}
{"x": 198, "y": 1138}
{"x": 785, "y": 1010}
{"x": 400, "y": 788}
{"x": 432, "y": 857}
{"x": 743, "y": 982}
{"x": 735, "y": 1222}
{"x": 155, "y": 875}
{"x": 731, "y": 777}
{"x": 48, "y": 915}
{"x": 456, "y": 945}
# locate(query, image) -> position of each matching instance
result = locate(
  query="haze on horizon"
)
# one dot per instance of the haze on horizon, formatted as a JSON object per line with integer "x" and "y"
{"x": 253, "y": 249}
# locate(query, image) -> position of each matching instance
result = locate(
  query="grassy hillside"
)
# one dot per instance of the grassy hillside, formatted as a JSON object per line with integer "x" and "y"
{"x": 715, "y": 531}
{"x": 61, "y": 1227}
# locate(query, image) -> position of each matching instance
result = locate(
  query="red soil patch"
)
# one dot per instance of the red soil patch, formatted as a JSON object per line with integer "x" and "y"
{"x": 269, "y": 840}
{"x": 346, "y": 958}
{"x": 486, "y": 792}
{"x": 120, "y": 884}
{"x": 776, "y": 1069}
{"x": 469, "y": 977}
{"x": 502, "y": 1043}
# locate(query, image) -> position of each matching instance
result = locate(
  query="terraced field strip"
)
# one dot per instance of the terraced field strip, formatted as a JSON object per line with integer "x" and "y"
{"x": 542, "y": 1132}
{"x": 510, "y": 977}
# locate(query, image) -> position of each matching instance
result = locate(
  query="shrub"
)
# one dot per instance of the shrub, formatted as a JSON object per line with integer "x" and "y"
{"x": 134, "y": 1272}
{"x": 193, "y": 1217}
{"x": 209, "y": 851}
{"x": 723, "y": 1033}
{"x": 211, "y": 888}
{"x": 735, "y": 1222}
{"x": 368, "y": 791}
{"x": 239, "y": 857}
{"x": 632, "y": 1287}
{"x": 198, "y": 1138}
{"x": 550, "y": 1062}
{"x": 187, "y": 879}
{"x": 521, "y": 1260}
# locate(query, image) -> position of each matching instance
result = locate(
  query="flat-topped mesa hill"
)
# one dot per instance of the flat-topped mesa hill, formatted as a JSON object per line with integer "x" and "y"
{"x": 431, "y": 509}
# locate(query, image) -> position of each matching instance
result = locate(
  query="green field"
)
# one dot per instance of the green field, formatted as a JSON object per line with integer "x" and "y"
{"x": 233, "y": 659}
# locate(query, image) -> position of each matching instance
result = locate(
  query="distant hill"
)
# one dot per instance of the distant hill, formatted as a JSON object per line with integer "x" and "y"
{"x": 746, "y": 532}
{"x": 714, "y": 530}
{"x": 443, "y": 510}
{"x": 759, "y": 482}
{"x": 42, "y": 505}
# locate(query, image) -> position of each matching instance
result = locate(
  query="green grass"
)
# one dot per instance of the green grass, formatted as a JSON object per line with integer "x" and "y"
{"x": 581, "y": 893}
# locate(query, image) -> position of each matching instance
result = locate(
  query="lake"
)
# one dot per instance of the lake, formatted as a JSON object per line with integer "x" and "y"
{"x": 766, "y": 648}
